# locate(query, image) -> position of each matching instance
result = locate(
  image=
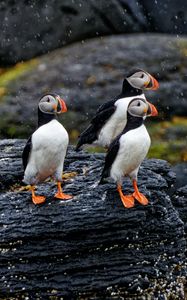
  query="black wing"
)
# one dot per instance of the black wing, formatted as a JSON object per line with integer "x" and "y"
{"x": 109, "y": 159}
{"x": 26, "y": 152}
{"x": 106, "y": 105}
{"x": 101, "y": 117}
{"x": 89, "y": 135}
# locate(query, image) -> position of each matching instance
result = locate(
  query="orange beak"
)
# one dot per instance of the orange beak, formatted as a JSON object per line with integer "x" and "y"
{"x": 152, "y": 111}
{"x": 62, "y": 105}
{"x": 155, "y": 84}
{"x": 152, "y": 84}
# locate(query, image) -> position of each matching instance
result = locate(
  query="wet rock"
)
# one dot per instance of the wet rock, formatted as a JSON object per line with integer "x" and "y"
{"x": 88, "y": 74}
{"x": 179, "y": 200}
{"x": 166, "y": 16}
{"x": 181, "y": 174}
{"x": 90, "y": 247}
{"x": 10, "y": 162}
{"x": 30, "y": 28}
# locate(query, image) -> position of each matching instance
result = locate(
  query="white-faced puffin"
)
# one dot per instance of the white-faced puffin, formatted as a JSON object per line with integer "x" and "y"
{"x": 128, "y": 150}
{"x": 110, "y": 117}
{"x": 44, "y": 153}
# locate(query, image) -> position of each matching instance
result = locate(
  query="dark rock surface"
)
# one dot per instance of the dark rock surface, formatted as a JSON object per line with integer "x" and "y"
{"x": 181, "y": 174}
{"x": 10, "y": 163}
{"x": 30, "y": 28}
{"x": 166, "y": 16}
{"x": 91, "y": 73}
{"x": 179, "y": 200}
{"x": 90, "y": 247}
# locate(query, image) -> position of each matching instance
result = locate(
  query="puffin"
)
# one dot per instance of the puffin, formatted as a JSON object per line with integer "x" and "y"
{"x": 44, "y": 153}
{"x": 110, "y": 117}
{"x": 128, "y": 150}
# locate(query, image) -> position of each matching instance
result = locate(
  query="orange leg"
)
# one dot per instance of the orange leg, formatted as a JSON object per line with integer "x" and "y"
{"x": 60, "y": 194}
{"x": 128, "y": 201}
{"x": 139, "y": 196}
{"x": 37, "y": 199}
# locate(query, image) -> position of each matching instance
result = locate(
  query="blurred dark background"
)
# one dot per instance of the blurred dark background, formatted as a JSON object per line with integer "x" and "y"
{"x": 97, "y": 43}
{"x": 31, "y": 28}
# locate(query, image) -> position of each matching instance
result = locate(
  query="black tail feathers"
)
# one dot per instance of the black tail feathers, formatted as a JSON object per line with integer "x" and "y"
{"x": 87, "y": 137}
{"x": 104, "y": 176}
{"x": 79, "y": 144}
{"x": 102, "y": 181}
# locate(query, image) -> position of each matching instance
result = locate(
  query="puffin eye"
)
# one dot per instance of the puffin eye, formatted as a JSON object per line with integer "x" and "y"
{"x": 142, "y": 76}
{"x": 138, "y": 104}
{"x": 48, "y": 100}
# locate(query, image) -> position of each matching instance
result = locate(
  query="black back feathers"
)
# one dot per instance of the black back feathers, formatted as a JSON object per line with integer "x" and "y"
{"x": 128, "y": 90}
{"x": 103, "y": 113}
{"x": 109, "y": 159}
{"x": 26, "y": 152}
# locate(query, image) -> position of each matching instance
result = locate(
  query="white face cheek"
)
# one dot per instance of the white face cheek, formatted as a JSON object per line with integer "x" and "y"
{"x": 46, "y": 107}
{"x": 138, "y": 107}
{"x": 139, "y": 80}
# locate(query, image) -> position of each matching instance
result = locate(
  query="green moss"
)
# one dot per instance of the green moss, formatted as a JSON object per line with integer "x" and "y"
{"x": 182, "y": 45}
{"x": 14, "y": 130}
{"x": 169, "y": 140}
{"x": 167, "y": 150}
{"x": 98, "y": 149}
{"x": 9, "y": 74}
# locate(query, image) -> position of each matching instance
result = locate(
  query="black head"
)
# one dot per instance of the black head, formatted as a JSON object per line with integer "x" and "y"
{"x": 138, "y": 81}
{"x": 49, "y": 106}
{"x": 141, "y": 108}
{"x": 52, "y": 104}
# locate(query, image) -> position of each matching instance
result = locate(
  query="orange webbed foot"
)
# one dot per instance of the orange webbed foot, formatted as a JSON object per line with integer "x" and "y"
{"x": 128, "y": 201}
{"x": 38, "y": 199}
{"x": 62, "y": 196}
{"x": 140, "y": 198}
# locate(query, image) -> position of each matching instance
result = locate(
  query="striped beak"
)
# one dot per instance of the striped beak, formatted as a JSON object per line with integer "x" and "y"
{"x": 152, "y": 111}
{"x": 152, "y": 84}
{"x": 61, "y": 107}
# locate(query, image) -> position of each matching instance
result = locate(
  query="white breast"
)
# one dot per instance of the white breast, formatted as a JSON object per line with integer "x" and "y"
{"x": 49, "y": 145}
{"x": 116, "y": 123}
{"x": 134, "y": 146}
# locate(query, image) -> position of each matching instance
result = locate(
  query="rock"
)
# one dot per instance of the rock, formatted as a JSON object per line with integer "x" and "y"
{"x": 166, "y": 16}
{"x": 87, "y": 81}
{"x": 181, "y": 172}
{"x": 179, "y": 200}
{"x": 90, "y": 247}
{"x": 10, "y": 163}
{"x": 31, "y": 28}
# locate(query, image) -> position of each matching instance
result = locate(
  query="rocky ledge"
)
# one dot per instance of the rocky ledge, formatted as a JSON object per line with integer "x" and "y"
{"x": 91, "y": 247}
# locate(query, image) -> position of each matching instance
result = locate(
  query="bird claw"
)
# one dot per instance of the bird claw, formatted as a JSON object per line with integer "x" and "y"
{"x": 128, "y": 201}
{"x": 38, "y": 199}
{"x": 140, "y": 198}
{"x": 63, "y": 196}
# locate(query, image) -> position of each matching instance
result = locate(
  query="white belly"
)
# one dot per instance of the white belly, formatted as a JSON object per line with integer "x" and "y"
{"x": 116, "y": 123}
{"x": 49, "y": 145}
{"x": 134, "y": 146}
{"x": 111, "y": 130}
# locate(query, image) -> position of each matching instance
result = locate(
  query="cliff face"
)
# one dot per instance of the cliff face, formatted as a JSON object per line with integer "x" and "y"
{"x": 91, "y": 247}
